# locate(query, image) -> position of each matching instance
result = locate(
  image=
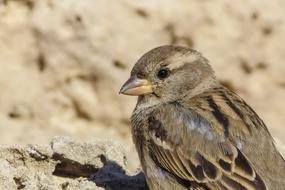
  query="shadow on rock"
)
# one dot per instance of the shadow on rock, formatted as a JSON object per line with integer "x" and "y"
{"x": 113, "y": 177}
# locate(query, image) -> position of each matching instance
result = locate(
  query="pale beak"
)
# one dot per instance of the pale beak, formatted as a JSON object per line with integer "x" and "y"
{"x": 136, "y": 87}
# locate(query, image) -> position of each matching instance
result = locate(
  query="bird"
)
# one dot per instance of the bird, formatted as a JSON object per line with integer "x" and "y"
{"x": 191, "y": 132}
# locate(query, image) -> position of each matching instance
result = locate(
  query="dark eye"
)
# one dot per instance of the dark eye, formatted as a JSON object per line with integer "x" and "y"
{"x": 163, "y": 73}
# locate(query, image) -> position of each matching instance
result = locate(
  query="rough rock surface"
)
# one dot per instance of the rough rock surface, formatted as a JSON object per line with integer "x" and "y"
{"x": 67, "y": 165}
{"x": 63, "y": 61}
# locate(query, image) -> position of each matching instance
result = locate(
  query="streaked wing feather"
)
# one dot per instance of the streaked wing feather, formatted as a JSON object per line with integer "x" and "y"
{"x": 227, "y": 169}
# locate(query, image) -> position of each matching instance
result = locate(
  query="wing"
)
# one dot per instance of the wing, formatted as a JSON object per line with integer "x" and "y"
{"x": 200, "y": 148}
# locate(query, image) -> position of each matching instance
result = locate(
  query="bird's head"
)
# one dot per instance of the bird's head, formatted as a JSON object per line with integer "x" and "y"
{"x": 168, "y": 73}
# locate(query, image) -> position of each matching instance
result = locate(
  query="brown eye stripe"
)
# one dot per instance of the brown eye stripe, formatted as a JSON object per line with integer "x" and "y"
{"x": 220, "y": 117}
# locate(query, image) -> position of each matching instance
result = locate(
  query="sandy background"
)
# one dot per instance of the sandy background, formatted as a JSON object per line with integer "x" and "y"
{"x": 62, "y": 62}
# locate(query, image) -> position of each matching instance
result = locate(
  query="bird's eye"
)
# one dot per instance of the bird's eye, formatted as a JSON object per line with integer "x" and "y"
{"x": 163, "y": 73}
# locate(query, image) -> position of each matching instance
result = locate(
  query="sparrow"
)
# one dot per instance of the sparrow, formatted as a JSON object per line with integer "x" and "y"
{"x": 191, "y": 132}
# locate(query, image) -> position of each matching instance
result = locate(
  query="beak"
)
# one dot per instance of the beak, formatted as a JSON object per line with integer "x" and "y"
{"x": 136, "y": 87}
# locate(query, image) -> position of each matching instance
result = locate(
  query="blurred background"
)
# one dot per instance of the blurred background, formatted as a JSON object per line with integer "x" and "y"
{"x": 62, "y": 62}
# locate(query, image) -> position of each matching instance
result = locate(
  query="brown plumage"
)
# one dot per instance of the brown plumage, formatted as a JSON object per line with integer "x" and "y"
{"x": 193, "y": 133}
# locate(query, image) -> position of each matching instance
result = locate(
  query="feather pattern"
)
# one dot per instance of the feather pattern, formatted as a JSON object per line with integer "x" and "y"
{"x": 228, "y": 165}
{"x": 226, "y": 168}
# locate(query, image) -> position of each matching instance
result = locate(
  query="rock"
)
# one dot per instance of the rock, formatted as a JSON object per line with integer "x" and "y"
{"x": 83, "y": 153}
{"x": 67, "y": 165}
{"x": 6, "y": 175}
